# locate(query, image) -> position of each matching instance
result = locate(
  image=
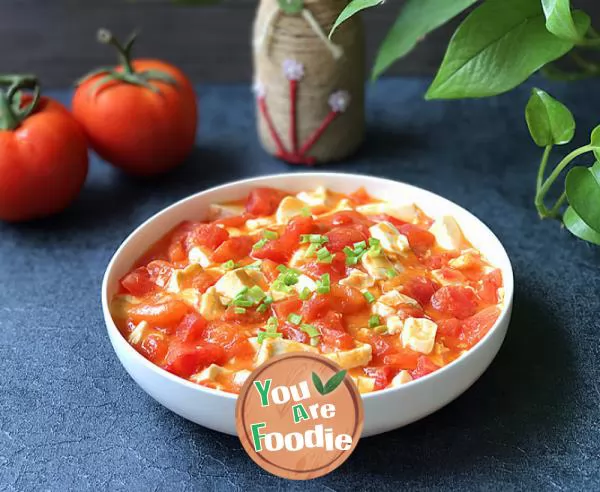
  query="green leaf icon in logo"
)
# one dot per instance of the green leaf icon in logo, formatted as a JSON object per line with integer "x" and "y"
{"x": 330, "y": 385}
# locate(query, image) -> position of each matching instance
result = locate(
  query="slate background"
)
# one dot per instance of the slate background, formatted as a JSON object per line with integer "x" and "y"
{"x": 72, "y": 419}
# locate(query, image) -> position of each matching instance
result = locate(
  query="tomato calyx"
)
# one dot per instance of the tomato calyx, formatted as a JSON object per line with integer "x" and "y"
{"x": 11, "y": 112}
{"x": 128, "y": 75}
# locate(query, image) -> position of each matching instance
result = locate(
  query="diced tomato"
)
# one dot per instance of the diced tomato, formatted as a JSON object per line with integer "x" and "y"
{"x": 404, "y": 359}
{"x": 251, "y": 316}
{"x": 227, "y": 336}
{"x": 184, "y": 359}
{"x": 347, "y": 217}
{"x": 298, "y": 226}
{"x": 340, "y": 237}
{"x": 419, "y": 239}
{"x": 333, "y": 332}
{"x": 450, "y": 275}
{"x": 160, "y": 272}
{"x": 381, "y": 346}
{"x": 176, "y": 251}
{"x": 382, "y": 375}
{"x": 209, "y": 235}
{"x": 269, "y": 269}
{"x": 450, "y": 331}
{"x": 234, "y": 249}
{"x": 138, "y": 282}
{"x": 387, "y": 218}
{"x": 286, "y": 307}
{"x": 455, "y": 300}
{"x": 264, "y": 201}
{"x": 424, "y": 367}
{"x": 162, "y": 314}
{"x": 360, "y": 196}
{"x": 202, "y": 281}
{"x": 407, "y": 311}
{"x": 421, "y": 289}
{"x": 154, "y": 347}
{"x": 488, "y": 289}
{"x": 277, "y": 251}
{"x": 234, "y": 220}
{"x": 438, "y": 260}
{"x": 336, "y": 269}
{"x": 347, "y": 300}
{"x": 293, "y": 332}
{"x": 316, "y": 307}
{"x": 191, "y": 328}
{"x": 475, "y": 327}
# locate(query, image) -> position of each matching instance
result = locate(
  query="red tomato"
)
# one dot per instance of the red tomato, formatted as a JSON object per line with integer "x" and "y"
{"x": 488, "y": 290}
{"x": 228, "y": 337}
{"x": 264, "y": 201}
{"x": 138, "y": 282}
{"x": 347, "y": 300}
{"x": 387, "y": 218}
{"x": 450, "y": 331}
{"x": 249, "y": 316}
{"x": 336, "y": 269}
{"x": 234, "y": 249}
{"x": 455, "y": 300}
{"x": 43, "y": 160}
{"x": 208, "y": 235}
{"x": 298, "y": 226}
{"x": 202, "y": 281}
{"x": 360, "y": 196}
{"x": 340, "y": 237}
{"x": 421, "y": 289}
{"x": 316, "y": 307}
{"x": 382, "y": 375}
{"x": 381, "y": 346}
{"x": 475, "y": 327}
{"x": 281, "y": 250}
{"x": 154, "y": 347}
{"x": 292, "y": 332}
{"x": 286, "y": 307}
{"x": 142, "y": 125}
{"x": 345, "y": 217}
{"x": 424, "y": 367}
{"x": 234, "y": 221}
{"x": 419, "y": 239}
{"x": 405, "y": 359}
{"x": 164, "y": 313}
{"x": 191, "y": 328}
{"x": 333, "y": 338}
{"x": 160, "y": 272}
{"x": 184, "y": 359}
{"x": 269, "y": 269}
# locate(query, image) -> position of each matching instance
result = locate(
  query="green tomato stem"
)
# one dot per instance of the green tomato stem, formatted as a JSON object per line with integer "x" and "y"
{"x": 107, "y": 37}
{"x": 11, "y": 113}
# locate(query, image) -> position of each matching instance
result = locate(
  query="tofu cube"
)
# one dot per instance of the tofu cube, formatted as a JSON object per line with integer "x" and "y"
{"x": 401, "y": 378}
{"x": 211, "y": 373}
{"x": 391, "y": 240}
{"x": 271, "y": 347}
{"x": 394, "y": 325}
{"x": 358, "y": 279}
{"x": 315, "y": 198}
{"x": 394, "y": 298}
{"x": 364, "y": 384}
{"x": 356, "y": 357}
{"x": 418, "y": 334}
{"x": 220, "y": 211}
{"x": 447, "y": 233}
{"x": 179, "y": 276}
{"x": 201, "y": 256}
{"x": 210, "y": 304}
{"x": 239, "y": 377}
{"x": 377, "y": 266}
{"x": 407, "y": 212}
{"x": 230, "y": 284}
{"x": 259, "y": 223}
{"x": 289, "y": 208}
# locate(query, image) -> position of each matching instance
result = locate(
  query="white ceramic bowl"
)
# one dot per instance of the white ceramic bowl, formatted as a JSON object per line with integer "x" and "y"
{"x": 384, "y": 410}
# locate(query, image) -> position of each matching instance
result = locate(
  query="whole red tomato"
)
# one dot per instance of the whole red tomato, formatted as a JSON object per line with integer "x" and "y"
{"x": 43, "y": 153}
{"x": 140, "y": 116}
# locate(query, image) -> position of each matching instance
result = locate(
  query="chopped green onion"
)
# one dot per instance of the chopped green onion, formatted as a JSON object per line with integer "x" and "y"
{"x": 295, "y": 319}
{"x": 380, "y": 329}
{"x": 310, "y": 330}
{"x": 374, "y": 321}
{"x": 374, "y": 242}
{"x": 311, "y": 250}
{"x": 270, "y": 234}
{"x": 272, "y": 324}
{"x": 305, "y": 211}
{"x": 239, "y": 310}
{"x": 324, "y": 256}
{"x": 262, "y": 308}
{"x": 263, "y": 334}
{"x": 268, "y": 300}
{"x": 282, "y": 268}
{"x": 304, "y": 294}
{"x": 391, "y": 273}
{"x": 360, "y": 245}
{"x": 324, "y": 284}
{"x": 256, "y": 294}
{"x": 369, "y": 297}
{"x": 229, "y": 265}
{"x": 314, "y": 238}
{"x": 260, "y": 243}
{"x": 242, "y": 302}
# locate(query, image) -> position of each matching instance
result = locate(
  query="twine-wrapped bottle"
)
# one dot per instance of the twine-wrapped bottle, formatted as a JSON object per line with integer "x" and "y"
{"x": 309, "y": 89}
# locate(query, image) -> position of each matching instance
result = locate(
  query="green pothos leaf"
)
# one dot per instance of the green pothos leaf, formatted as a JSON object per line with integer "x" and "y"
{"x": 560, "y": 21}
{"x": 579, "y": 228}
{"x": 351, "y": 9}
{"x": 549, "y": 121}
{"x": 291, "y": 6}
{"x": 595, "y": 141}
{"x": 583, "y": 192}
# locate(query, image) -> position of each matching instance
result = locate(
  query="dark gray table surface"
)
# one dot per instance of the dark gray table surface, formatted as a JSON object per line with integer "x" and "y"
{"x": 72, "y": 419}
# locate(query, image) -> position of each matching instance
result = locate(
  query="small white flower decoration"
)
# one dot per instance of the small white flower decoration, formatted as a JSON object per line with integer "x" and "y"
{"x": 293, "y": 69}
{"x": 339, "y": 101}
{"x": 259, "y": 89}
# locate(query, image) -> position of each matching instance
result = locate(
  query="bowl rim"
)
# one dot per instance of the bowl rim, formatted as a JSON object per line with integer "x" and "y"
{"x": 115, "y": 334}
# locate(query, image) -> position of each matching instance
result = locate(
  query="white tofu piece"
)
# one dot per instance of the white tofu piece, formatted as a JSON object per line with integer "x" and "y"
{"x": 270, "y": 347}
{"x": 357, "y": 357}
{"x": 191, "y": 297}
{"x": 383, "y": 310}
{"x": 220, "y": 211}
{"x": 305, "y": 282}
{"x": 233, "y": 231}
{"x": 394, "y": 325}
{"x": 343, "y": 204}
{"x": 210, "y": 304}
{"x": 377, "y": 266}
{"x": 298, "y": 258}
{"x": 500, "y": 293}
{"x": 201, "y": 256}
{"x": 418, "y": 334}
{"x": 447, "y": 233}
{"x": 259, "y": 223}
{"x": 401, "y": 378}
{"x": 136, "y": 335}
{"x": 314, "y": 198}
{"x": 289, "y": 208}
{"x": 358, "y": 279}
{"x": 211, "y": 373}
{"x": 239, "y": 377}
{"x": 437, "y": 355}
{"x": 390, "y": 238}
{"x": 465, "y": 261}
{"x": 364, "y": 384}
{"x": 394, "y": 298}
{"x": 179, "y": 276}
{"x": 407, "y": 212}
{"x": 230, "y": 284}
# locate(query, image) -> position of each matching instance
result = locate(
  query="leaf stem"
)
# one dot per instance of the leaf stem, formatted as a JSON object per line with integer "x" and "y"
{"x": 542, "y": 170}
{"x": 555, "y": 210}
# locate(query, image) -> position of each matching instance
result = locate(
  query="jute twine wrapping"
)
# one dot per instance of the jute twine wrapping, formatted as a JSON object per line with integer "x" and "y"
{"x": 293, "y": 38}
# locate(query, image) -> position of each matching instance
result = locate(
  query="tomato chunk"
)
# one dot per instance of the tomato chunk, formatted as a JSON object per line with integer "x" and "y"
{"x": 455, "y": 300}
{"x": 419, "y": 239}
{"x": 382, "y": 375}
{"x": 336, "y": 269}
{"x": 161, "y": 314}
{"x": 405, "y": 359}
{"x": 209, "y": 235}
{"x": 154, "y": 347}
{"x": 138, "y": 282}
{"x": 333, "y": 333}
{"x": 421, "y": 289}
{"x": 293, "y": 332}
{"x": 347, "y": 300}
{"x": 234, "y": 249}
{"x": 186, "y": 359}
{"x": 424, "y": 367}
{"x": 191, "y": 328}
{"x": 264, "y": 201}
{"x": 340, "y": 237}
{"x": 286, "y": 307}
{"x": 488, "y": 289}
{"x": 475, "y": 327}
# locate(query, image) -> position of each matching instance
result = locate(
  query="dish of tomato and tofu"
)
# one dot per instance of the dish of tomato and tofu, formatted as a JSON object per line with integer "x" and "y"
{"x": 380, "y": 288}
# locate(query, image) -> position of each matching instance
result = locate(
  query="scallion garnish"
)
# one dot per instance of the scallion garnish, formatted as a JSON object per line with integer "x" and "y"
{"x": 324, "y": 255}
{"x": 391, "y": 273}
{"x": 305, "y": 211}
{"x": 324, "y": 284}
{"x": 270, "y": 234}
{"x": 239, "y": 310}
{"x": 260, "y": 243}
{"x": 313, "y": 238}
{"x": 304, "y": 294}
{"x": 374, "y": 321}
{"x": 229, "y": 265}
{"x": 295, "y": 319}
{"x": 311, "y": 250}
{"x": 369, "y": 297}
